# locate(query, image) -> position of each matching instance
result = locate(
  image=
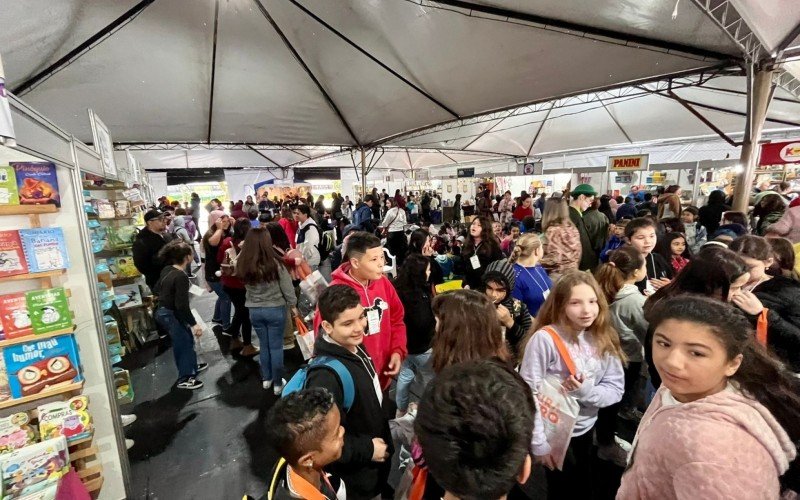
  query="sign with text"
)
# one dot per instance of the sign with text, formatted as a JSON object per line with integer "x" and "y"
{"x": 780, "y": 153}
{"x": 630, "y": 162}
{"x": 466, "y": 172}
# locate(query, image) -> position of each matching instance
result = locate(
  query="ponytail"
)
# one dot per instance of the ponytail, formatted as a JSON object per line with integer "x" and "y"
{"x": 622, "y": 264}
{"x": 515, "y": 254}
{"x": 524, "y": 247}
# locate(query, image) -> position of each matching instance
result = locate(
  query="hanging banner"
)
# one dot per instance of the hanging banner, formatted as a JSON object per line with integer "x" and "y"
{"x": 780, "y": 153}
{"x": 6, "y": 126}
{"x": 104, "y": 145}
{"x": 628, "y": 163}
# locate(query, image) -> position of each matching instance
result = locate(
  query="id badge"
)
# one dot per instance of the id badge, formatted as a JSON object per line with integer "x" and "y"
{"x": 475, "y": 262}
{"x": 373, "y": 322}
{"x": 546, "y": 294}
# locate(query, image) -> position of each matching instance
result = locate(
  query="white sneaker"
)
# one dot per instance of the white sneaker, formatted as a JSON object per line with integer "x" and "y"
{"x": 266, "y": 384}
{"x": 278, "y": 389}
{"x": 129, "y": 444}
{"x": 613, "y": 453}
{"x": 128, "y": 419}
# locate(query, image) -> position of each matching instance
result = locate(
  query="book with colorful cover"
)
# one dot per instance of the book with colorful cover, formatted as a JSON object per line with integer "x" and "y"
{"x": 41, "y": 365}
{"x": 14, "y": 316}
{"x": 32, "y": 471}
{"x": 12, "y": 254}
{"x": 48, "y": 310}
{"x": 45, "y": 249}
{"x": 127, "y": 296}
{"x": 104, "y": 209}
{"x": 8, "y": 186}
{"x": 122, "y": 208}
{"x": 123, "y": 267}
{"x": 37, "y": 183}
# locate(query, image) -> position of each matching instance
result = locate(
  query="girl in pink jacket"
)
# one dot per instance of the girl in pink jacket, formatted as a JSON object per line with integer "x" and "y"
{"x": 724, "y": 422}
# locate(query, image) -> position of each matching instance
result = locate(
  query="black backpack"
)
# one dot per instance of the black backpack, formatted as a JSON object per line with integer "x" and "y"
{"x": 327, "y": 241}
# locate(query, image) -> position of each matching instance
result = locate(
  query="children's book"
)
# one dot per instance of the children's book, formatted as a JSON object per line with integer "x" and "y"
{"x": 70, "y": 419}
{"x": 123, "y": 267}
{"x": 37, "y": 183}
{"x": 8, "y": 187}
{"x": 104, "y": 209}
{"x": 41, "y": 365}
{"x": 5, "y": 390}
{"x": 45, "y": 249}
{"x": 34, "y": 468}
{"x": 122, "y": 208}
{"x": 15, "y": 432}
{"x": 127, "y": 296}
{"x": 12, "y": 255}
{"x": 48, "y": 310}
{"x": 14, "y": 316}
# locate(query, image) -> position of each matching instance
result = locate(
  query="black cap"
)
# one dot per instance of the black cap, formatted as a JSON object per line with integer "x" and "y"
{"x": 152, "y": 214}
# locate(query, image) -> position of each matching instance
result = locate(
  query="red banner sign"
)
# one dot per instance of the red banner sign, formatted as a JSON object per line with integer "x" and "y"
{"x": 780, "y": 153}
{"x": 631, "y": 162}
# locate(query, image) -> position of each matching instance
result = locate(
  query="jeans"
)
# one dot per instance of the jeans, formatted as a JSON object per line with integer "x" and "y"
{"x": 182, "y": 342}
{"x": 241, "y": 317}
{"x": 222, "y": 308}
{"x": 269, "y": 324}
{"x": 419, "y": 364}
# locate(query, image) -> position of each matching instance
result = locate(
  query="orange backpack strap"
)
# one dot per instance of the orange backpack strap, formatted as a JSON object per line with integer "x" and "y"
{"x": 761, "y": 327}
{"x": 562, "y": 349}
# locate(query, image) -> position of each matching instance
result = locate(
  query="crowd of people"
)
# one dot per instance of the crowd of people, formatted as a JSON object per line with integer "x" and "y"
{"x": 577, "y": 312}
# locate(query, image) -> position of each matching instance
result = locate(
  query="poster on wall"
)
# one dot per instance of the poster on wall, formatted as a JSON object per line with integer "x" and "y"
{"x": 6, "y": 126}
{"x": 104, "y": 145}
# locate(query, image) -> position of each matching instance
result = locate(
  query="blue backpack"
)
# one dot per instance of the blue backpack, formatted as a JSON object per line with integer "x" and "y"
{"x": 299, "y": 379}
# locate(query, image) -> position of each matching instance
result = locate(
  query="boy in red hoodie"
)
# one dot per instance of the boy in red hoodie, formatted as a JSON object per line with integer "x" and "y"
{"x": 362, "y": 270}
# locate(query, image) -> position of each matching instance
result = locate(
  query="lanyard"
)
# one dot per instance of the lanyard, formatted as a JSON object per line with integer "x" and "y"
{"x": 533, "y": 277}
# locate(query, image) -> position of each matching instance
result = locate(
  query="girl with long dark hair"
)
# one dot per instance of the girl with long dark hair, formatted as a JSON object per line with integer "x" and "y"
{"x": 269, "y": 291}
{"x": 234, "y": 287}
{"x": 675, "y": 249}
{"x": 219, "y": 228}
{"x": 736, "y": 408}
{"x": 480, "y": 249}
{"x": 422, "y": 243}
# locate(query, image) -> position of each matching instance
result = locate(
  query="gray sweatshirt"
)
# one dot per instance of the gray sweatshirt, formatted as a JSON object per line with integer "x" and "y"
{"x": 278, "y": 293}
{"x": 627, "y": 314}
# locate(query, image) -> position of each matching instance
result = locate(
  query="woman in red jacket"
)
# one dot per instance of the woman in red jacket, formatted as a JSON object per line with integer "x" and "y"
{"x": 289, "y": 225}
{"x": 234, "y": 287}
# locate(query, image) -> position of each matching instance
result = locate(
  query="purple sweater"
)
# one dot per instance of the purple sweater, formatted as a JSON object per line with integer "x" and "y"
{"x": 603, "y": 385}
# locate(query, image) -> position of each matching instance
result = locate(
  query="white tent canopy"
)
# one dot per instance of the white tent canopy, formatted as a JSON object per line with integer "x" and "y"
{"x": 253, "y": 79}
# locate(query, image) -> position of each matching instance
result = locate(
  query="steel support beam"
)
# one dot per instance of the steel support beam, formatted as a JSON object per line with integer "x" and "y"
{"x": 308, "y": 71}
{"x": 759, "y": 91}
{"x": 81, "y": 49}
{"x": 213, "y": 71}
{"x": 728, "y": 19}
{"x": 702, "y": 118}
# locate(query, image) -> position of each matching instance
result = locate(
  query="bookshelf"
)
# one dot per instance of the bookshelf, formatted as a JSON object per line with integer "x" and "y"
{"x": 35, "y": 337}
{"x": 65, "y": 390}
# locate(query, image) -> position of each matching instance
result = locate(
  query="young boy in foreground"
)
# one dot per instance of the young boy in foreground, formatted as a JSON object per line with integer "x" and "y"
{"x": 364, "y": 464}
{"x": 475, "y": 424}
{"x": 305, "y": 429}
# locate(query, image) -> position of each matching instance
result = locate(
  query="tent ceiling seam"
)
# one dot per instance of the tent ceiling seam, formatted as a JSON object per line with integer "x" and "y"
{"x": 616, "y": 122}
{"x": 213, "y": 71}
{"x": 82, "y": 49}
{"x": 539, "y": 130}
{"x": 308, "y": 71}
{"x": 606, "y": 34}
{"x": 671, "y": 95}
{"x": 259, "y": 153}
{"x": 375, "y": 59}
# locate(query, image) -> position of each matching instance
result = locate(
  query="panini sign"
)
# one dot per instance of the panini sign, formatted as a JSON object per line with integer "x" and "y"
{"x": 626, "y": 163}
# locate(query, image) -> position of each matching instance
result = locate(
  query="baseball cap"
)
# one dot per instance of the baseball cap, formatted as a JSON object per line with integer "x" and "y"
{"x": 153, "y": 214}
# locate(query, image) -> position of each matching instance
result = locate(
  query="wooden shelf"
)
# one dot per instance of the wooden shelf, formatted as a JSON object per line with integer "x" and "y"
{"x": 48, "y": 208}
{"x": 126, "y": 280}
{"x": 94, "y": 217}
{"x": 31, "y": 338}
{"x": 103, "y": 188}
{"x": 33, "y": 276}
{"x": 66, "y": 389}
{"x": 87, "y": 439}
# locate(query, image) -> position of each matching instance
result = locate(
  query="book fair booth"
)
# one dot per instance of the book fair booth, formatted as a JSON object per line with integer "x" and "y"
{"x": 67, "y": 309}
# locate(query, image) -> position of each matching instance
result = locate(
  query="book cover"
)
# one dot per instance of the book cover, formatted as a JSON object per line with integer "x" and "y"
{"x": 45, "y": 249}
{"x": 48, "y": 310}
{"x": 35, "y": 468}
{"x": 8, "y": 187}
{"x": 104, "y": 209}
{"x": 127, "y": 296}
{"x": 70, "y": 419}
{"x": 37, "y": 183}
{"x": 41, "y": 365}
{"x": 14, "y": 316}
{"x": 124, "y": 267}
{"x": 122, "y": 208}
{"x": 16, "y": 432}
{"x": 12, "y": 255}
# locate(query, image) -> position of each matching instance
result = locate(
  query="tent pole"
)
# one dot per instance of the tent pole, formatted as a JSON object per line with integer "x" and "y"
{"x": 759, "y": 83}
{"x": 363, "y": 175}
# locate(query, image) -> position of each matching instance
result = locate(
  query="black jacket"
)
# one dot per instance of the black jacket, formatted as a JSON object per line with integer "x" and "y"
{"x": 472, "y": 277}
{"x": 657, "y": 268}
{"x": 419, "y": 319}
{"x": 362, "y": 477}
{"x": 781, "y": 296}
{"x": 710, "y": 217}
{"x": 589, "y": 258}
{"x": 145, "y": 255}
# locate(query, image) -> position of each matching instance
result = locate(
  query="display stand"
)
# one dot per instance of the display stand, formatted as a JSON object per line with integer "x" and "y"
{"x": 100, "y": 460}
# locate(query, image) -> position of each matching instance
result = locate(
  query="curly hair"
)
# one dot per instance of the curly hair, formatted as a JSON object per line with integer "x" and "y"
{"x": 294, "y": 423}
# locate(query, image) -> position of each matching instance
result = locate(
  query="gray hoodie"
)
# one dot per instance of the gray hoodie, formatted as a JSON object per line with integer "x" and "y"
{"x": 278, "y": 293}
{"x": 627, "y": 316}
{"x": 179, "y": 229}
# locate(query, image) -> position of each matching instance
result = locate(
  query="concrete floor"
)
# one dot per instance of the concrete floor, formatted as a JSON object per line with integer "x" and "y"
{"x": 208, "y": 443}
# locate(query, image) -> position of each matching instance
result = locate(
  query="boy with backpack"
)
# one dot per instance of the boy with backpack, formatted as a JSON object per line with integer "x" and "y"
{"x": 343, "y": 367}
{"x": 305, "y": 428}
{"x": 362, "y": 270}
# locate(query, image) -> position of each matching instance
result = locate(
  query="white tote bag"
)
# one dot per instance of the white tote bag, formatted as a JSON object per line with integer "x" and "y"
{"x": 559, "y": 410}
